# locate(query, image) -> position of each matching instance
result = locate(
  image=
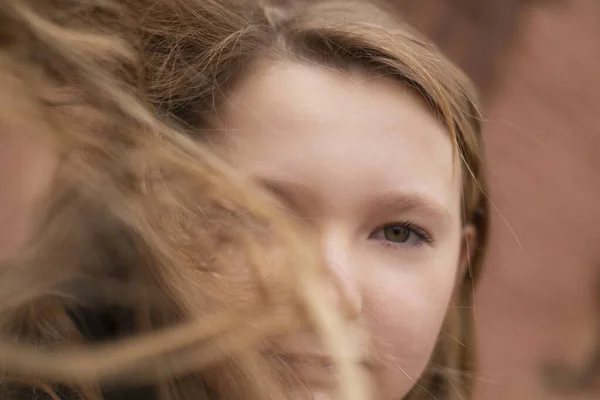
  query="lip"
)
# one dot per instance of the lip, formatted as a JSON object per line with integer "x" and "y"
{"x": 317, "y": 358}
{"x": 309, "y": 359}
{"x": 316, "y": 368}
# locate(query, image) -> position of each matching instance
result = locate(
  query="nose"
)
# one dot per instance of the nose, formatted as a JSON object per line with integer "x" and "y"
{"x": 345, "y": 289}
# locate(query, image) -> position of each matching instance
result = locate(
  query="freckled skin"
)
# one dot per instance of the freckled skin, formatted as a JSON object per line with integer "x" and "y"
{"x": 350, "y": 155}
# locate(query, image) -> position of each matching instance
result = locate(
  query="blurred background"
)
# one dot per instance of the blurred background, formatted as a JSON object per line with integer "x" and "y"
{"x": 537, "y": 65}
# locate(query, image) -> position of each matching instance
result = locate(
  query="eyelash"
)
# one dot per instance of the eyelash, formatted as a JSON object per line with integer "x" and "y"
{"x": 423, "y": 237}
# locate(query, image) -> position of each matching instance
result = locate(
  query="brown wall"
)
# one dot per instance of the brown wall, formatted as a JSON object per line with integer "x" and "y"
{"x": 473, "y": 33}
{"x": 537, "y": 300}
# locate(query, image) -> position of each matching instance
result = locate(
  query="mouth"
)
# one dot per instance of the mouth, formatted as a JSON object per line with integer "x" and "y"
{"x": 308, "y": 359}
{"x": 315, "y": 370}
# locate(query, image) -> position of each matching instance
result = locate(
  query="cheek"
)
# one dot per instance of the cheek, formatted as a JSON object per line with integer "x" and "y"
{"x": 405, "y": 309}
{"x": 27, "y": 165}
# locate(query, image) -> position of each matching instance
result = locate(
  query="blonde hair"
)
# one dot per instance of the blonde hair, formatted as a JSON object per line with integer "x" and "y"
{"x": 141, "y": 216}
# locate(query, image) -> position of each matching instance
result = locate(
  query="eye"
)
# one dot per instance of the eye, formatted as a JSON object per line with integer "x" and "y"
{"x": 396, "y": 233}
{"x": 402, "y": 233}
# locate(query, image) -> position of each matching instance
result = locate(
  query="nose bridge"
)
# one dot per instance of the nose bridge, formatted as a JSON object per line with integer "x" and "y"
{"x": 346, "y": 290}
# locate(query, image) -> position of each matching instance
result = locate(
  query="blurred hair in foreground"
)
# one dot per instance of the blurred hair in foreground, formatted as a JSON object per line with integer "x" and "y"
{"x": 140, "y": 218}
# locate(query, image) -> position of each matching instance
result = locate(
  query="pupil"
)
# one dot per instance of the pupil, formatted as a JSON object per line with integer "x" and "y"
{"x": 396, "y": 234}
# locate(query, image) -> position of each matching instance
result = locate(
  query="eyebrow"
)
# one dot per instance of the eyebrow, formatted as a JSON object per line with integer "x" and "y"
{"x": 405, "y": 201}
{"x": 283, "y": 189}
{"x": 397, "y": 201}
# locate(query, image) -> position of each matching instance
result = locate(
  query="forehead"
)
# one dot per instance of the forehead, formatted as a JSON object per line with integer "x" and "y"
{"x": 317, "y": 126}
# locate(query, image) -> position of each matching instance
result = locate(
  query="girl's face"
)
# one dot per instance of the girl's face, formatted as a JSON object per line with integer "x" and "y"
{"x": 367, "y": 166}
